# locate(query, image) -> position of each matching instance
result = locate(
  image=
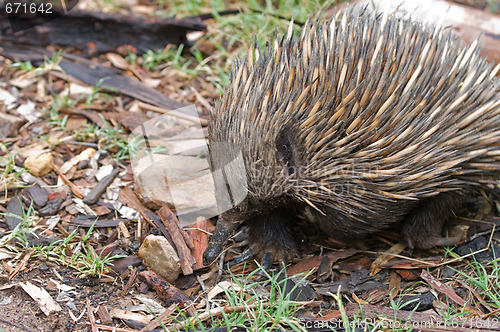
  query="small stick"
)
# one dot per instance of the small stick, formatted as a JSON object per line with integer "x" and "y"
{"x": 78, "y": 193}
{"x": 179, "y": 115}
{"x": 91, "y": 317}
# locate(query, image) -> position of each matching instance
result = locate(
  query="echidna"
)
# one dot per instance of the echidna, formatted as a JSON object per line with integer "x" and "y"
{"x": 357, "y": 124}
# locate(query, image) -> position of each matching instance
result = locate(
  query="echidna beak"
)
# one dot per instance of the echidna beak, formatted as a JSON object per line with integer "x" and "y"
{"x": 223, "y": 230}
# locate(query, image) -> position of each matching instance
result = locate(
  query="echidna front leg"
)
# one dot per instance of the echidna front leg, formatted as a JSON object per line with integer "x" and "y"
{"x": 272, "y": 237}
{"x": 422, "y": 227}
{"x": 223, "y": 230}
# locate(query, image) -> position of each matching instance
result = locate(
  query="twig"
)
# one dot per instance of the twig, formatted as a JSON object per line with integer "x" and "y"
{"x": 17, "y": 325}
{"x": 130, "y": 282}
{"x": 221, "y": 266}
{"x": 179, "y": 115}
{"x": 216, "y": 313}
{"x": 78, "y": 193}
{"x": 181, "y": 239}
{"x": 202, "y": 99}
{"x": 91, "y": 317}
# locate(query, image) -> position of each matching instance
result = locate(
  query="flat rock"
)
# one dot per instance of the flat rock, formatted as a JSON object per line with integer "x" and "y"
{"x": 14, "y": 208}
{"x": 184, "y": 183}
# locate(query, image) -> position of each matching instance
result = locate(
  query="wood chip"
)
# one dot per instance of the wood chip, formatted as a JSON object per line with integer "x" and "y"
{"x": 199, "y": 232}
{"x": 165, "y": 318}
{"x": 42, "y": 297}
{"x": 104, "y": 315}
{"x": 128, "y": 315}
{"x": 90, "y": 315}
{"x": 181, "y": 239}
{"x": 74, "y": 189}
{"x": 447, "y": 290}
{"x": 394, "y": 284}
{"x": 221, "y": 287}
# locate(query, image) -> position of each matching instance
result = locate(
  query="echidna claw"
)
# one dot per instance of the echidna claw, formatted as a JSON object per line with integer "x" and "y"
{"x": 284, "y": 261}
{"x": 245, "y": 255}
{"x": 267, "y": 261}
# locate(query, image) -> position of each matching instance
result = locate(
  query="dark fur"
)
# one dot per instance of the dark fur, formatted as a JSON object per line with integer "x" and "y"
{"x": 422, "y": 227}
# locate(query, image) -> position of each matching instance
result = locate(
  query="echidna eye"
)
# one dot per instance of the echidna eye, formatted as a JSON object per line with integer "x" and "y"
{"x": 237, "y": 209}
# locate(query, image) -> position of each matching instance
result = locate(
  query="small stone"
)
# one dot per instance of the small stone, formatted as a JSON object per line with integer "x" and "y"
{"x": 38, "y": 195}
{"x": 160, "y": 256}
{"x": 39, "y": 164}
{"x": 419, "y": 302}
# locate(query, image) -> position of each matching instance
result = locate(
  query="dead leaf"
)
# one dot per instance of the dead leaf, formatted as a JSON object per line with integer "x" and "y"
{"x": 386, "y": 257}
{"x": 221, "y": 287}
{"x": 40, "y": 295}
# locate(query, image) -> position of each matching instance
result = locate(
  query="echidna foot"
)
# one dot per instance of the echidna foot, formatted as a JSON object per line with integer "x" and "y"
{"x": 448, "y": 241}
{"x": 245, "y": 255}
{"x": 423, "y": 226}
{"x": 267, "y": 258}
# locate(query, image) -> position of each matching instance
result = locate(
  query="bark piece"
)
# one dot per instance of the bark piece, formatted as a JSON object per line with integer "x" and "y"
{"x": 38, "y": 195}
{"x": 308, "y": 264}
{"x": 96, "y": 192}
{"x": 182, "y": 241}
{"x": 92, "y": 73}
{"x": 9, "y": 124}
{"x": 164, "y": 289}
{"x": 93, "y": 32}
{"x": 120, "y": 265}
{"x": 199, "y": 232}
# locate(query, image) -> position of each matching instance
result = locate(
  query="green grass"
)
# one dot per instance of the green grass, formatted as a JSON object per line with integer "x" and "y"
{"x": 484, "y": 277}
{"x": 111, "y": 139}
{"x": 229, "y": 36}
{"x": 58, "y": 103}
{"x": 10, "y": 174}
{"x": 48, "y": 65}
{"x": 272, "y": 310}
{"x": 98, "y": 92}
{"x": 77, "y": 254}
{"x": 27, "y": 225}
{"x": 70, "y": 252}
